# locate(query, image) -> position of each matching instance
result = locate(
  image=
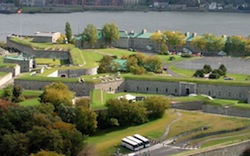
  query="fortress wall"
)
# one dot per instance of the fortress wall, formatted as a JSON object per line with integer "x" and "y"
{"x": 196, "y": 105}
{"x": 112, "y": 86}
{"x": 153, "y": 87}
{"x": 226, "y": 110}
{"x": 77, "y": 72}
{"x": 15, "y": 70}
{"x": 38, "y": 53}
{"x": 5, "y": 79}
{"x": 81, "y": 89}
{"x": 230, "y": 150}
{"x": 224, "y": 91}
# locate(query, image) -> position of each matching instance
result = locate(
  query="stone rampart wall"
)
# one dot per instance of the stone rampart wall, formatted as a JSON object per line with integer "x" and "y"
{"x": 224, "y": 110}
{"x": 15, "y": 70}
{"x": 81, "y": 89}
{"x": 38, "y": 53}
{"x": 5, "y": 78}
{"x": 230, "y": 150}
{"x": 153, "y": 87}
{"x": 112, "y": 86}
{"x": 77, "y": 72}
{"x": 224, "y": 91}
{"x": 196, "y": 105}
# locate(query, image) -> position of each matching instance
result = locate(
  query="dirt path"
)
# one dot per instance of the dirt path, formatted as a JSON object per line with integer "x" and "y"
{"x": 164, "y": 136}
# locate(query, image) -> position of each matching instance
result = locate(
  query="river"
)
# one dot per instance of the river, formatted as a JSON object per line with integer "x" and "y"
{"x": 199, "y": 22}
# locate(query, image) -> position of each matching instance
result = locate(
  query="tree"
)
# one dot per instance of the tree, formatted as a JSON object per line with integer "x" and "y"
{"x": 223, "y": 69}
{"x": 17, "y": 94}
{"x": 14, "y": 144}
{"x": 153, "y": 64}
{"x": 207, "y": 68}
{"x": 82, "y": 102}
{"x": 56, "y": 93}
{"x": 8, "y": 92}
{"x": 199, "y": 42}
{"x": 68, "y": 32}
{"x": 156, "y": 106}
{"x": 85, "y": 120}
{"x": 174, "y": 39}
{"x": 235, "y": 45}
{"x": 199, "y": 73}
{"x": 214, "y": 44}
{"x": 90, "y": 35}
{"x": 160, "y": 41}
{"x": 110, "y": 33}
{"x": 105, "y": 64}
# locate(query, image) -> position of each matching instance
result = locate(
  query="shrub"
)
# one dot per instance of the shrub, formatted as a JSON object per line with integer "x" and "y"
{"x": 199, "y": 73}
{"x": 214, "y": 76}
{"x": 207, "y": 68}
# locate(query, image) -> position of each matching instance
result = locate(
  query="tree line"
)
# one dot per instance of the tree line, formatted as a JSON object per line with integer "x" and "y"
{"x": 233, "y": 45}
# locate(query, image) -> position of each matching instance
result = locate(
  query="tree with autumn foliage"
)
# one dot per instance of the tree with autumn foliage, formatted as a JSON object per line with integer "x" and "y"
{"x": 174, "y": 39}
{"x": 56, "y": 93}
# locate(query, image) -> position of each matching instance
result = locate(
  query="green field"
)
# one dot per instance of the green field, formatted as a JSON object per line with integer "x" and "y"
{"x": 50, "y": 62}
{"x": 30, "y": 102}
{"x": 106, "y": 142}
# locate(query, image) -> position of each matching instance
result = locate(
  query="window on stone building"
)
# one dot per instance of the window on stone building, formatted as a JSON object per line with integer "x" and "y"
{"x": 137, "y": 88}
{"x": 240, "y": 95}
{"x": 156, "y": 90}
{"x": 209, "y": 93}
{"x": 175, "y": 90}
{"x": 229, "y": 94}
{"x": 147, "y": 88}
{"x": 118, "y": 88}
{"x": 110, "y": 89}
{"x": 166, "y": 90}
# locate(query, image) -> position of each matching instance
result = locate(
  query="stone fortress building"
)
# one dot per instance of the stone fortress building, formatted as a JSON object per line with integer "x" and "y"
{"x": 230, "y": 90}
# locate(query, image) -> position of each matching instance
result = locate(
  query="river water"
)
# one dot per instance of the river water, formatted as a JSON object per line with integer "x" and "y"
{"x": 199, "y": 22}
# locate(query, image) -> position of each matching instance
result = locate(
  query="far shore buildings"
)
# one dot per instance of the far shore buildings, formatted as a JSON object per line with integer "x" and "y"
{"x": 140, "y": 41}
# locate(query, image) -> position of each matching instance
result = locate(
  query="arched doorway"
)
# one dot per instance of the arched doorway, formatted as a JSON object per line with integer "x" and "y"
{"x": 187, "y": 91}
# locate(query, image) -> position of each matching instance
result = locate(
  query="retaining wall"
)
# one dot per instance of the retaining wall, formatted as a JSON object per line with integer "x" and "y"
{"x": 81, "y": 89}
{"x": 226, "y": 110}
{"x": 14, "y": 70}
{"x": 38, "y": 53}
{"x": 5, "y": 79}
{"x": 230, "y": 150}
{"x": 196, "y": 105}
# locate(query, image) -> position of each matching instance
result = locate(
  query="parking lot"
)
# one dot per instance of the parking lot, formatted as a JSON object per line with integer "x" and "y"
{"x": 233, "y": 65}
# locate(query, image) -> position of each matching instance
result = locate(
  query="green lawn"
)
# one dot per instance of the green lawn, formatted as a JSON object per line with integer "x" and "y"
{"x": 106, "y": 142}
{"x": 30, "y": 102}
{"x": 42, "y": 46}
{"x": 50, "y": 61}
{"x": 182, "y": 72}
{"x": 114, "y": 51}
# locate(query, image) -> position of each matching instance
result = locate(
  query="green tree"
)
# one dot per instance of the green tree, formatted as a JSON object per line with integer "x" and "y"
{"x": 235, "y": 45}
{"x": 14, "y": 144}
{"x": 110, "y": 33}
{"x": 174, "y": 39}
{"x": 214, "y": 44}
{"x": 56, "y": 93}
{"x": 207, "y": 68}
{"x": 156, "y": 106}
{"x": 105, "y": 64}
{"x": 68, "y": 32}
{"x": 8, "y": 92}
{"x": 199, "y": 42}
{"x": 199, "y": 73}
{"x": 17, "y": 94}
{"x": 85, "y": 120}
{"x": 160, "y": 41}
{"x": 89, "y": 35}
{"x": 223, "y": 69}
{"x": 154, "y": 64}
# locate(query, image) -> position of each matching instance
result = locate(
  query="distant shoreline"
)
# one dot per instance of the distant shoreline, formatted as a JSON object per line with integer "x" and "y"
{"x": 72, "y": 9}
